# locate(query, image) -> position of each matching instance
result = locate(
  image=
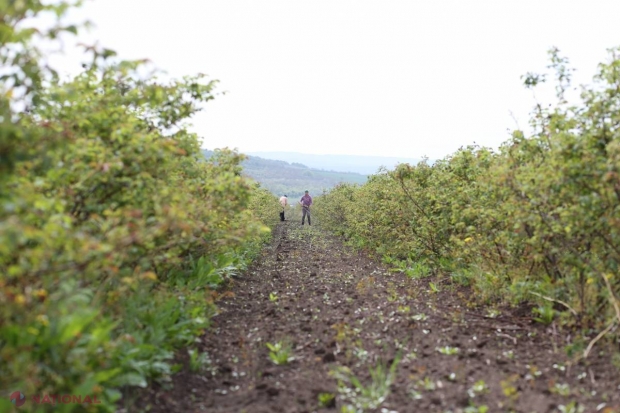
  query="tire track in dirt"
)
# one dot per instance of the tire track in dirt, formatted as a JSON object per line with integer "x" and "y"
{"x": 339, "y": 308}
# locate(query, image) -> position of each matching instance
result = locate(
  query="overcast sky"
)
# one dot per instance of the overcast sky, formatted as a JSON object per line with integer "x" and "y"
{"x": 383, "y": 77}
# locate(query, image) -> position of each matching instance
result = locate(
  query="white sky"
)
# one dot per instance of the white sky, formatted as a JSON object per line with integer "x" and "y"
{"x": 383, "y": 77}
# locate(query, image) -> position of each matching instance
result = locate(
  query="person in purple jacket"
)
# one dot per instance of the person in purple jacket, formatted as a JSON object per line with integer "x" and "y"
{"x": 305, "y": 202}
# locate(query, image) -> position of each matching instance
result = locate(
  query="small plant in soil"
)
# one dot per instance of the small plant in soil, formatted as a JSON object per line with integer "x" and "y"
{"x": 412, "y": 355}
{"x": 273, "y": 297}
{"x": 327, "y": 400}
{"x": 345, "y": 334}
{"x": 561, "y": 389}
{"x": 280, "y": 353}
{"x": 533, "y": 372}
{"x": 476, "y": 409}
{"x": 360, "y": 397}
{"x": 365, "y": 284}
{"x": 479, "y": 387}
{"x": 434, "y": 288}
{"x": 509, "y": 389}
{"x": 546, "y": 313}
{"x": 493, "y": 313}
{"x": 419, "y": 317}
{"x": 575, "y": 347}
{"x": 560, "y": 367}
{"x": 404, "y": 309}
{"x": 400, "y": 346}
{"x": 428, "y": 384}
{"x": 392, "y": 293}
{"x": 414, "y": 394}
{"x": 417, "y": 270}
{"x": 198, "y": 361}
{"x": 361, "y": 354}
{"x": 462, "y": 277}
{"x": 447, "y": 350}
{"x": 572, "y": 407}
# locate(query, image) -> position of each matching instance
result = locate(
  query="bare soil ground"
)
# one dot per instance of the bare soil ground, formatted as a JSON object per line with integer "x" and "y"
{"x": 340, "y": 310}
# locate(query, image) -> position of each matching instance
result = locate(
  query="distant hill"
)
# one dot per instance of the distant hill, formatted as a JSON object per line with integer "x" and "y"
{"x": 292, "y": 179}
{"x": 366, "y": 165}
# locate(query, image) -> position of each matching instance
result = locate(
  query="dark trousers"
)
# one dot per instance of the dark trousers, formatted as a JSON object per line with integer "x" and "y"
{"x": 305, "y": 211}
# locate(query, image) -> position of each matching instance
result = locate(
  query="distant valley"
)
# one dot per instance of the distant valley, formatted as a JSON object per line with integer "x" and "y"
{"x": 366, "y": 165}
{"x": 292, "y": 179}
{"x": 292, "y": 173}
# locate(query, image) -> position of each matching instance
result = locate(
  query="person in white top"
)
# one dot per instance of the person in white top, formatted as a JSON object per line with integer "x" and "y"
{"x": 284, "y": 203}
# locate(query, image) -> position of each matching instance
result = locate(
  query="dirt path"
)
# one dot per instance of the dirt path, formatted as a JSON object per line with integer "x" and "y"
{"x": 338, "y": 308}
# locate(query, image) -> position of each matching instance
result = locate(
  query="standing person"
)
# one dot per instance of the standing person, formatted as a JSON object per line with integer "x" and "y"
{"x": 284, "y": 203}
{"x": 305, "y": 202}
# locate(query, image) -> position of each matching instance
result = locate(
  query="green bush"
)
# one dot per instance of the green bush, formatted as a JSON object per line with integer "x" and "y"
{"x": 537, "y": 218}
{"x": 113, "y": 227}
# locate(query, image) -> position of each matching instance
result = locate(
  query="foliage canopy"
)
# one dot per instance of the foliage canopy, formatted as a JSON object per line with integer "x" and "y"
{"x": 540, "y": 217}
{"x": 113, "y": 227}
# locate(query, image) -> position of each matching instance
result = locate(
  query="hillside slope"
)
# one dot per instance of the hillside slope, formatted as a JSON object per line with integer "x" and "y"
{"x": 293, "y": 179}
{"x": 366, "y": 165}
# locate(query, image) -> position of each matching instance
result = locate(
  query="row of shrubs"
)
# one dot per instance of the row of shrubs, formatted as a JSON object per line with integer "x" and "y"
{"x": 540, "y": 217}
{"x": 114, "y": 229}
